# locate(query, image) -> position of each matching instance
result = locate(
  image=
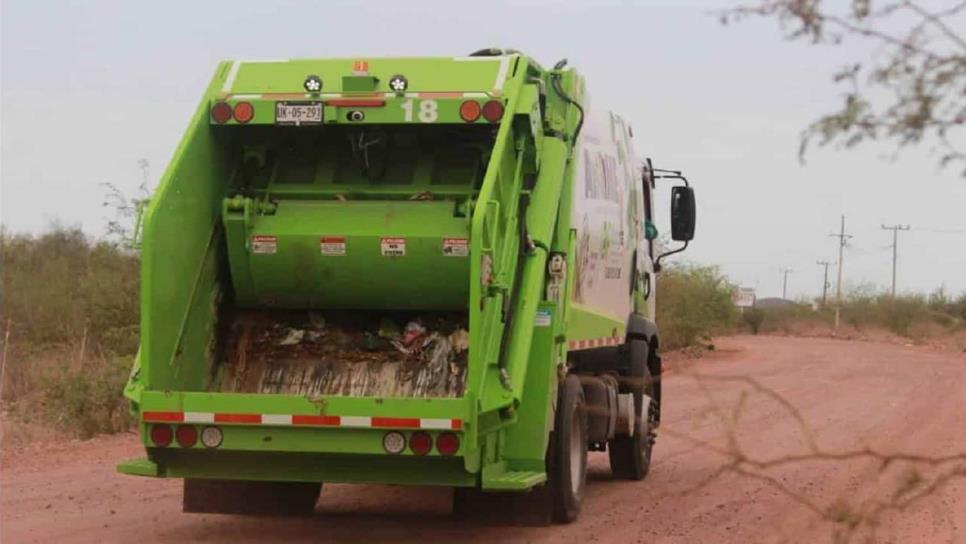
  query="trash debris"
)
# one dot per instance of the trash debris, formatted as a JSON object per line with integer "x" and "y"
{"x": 412, "y": 332}
{"x": 388, "y": 329}
{"x": 460, "y": 340}
{"x": 346, "y": 353}
{"x": 294, "y": 337}
{"x": 371, "y": 342}
{"x": 317, "y": 320}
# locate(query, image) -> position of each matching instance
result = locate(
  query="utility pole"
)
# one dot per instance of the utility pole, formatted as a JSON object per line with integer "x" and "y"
{"x": 824, "y": 280}
{"x": 895, "y": 250}
{"x": 843, "y": 239}
{"x": 784, "y": 272}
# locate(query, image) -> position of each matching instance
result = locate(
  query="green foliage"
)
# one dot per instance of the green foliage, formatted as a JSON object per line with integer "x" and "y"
{"x": 909, "y": 315}
{"x": 693, "y": 303}
{"x": 792, "y": 318}
{"x": 862, "y": 310}
{"x": 61, "y": 287}
{"x": 754, "y": 317}
{"x": 88, "y": 400}
{"x": 72, "y": 308}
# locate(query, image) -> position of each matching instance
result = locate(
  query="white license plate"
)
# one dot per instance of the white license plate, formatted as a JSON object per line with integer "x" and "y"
{"x": 298, "y": 113}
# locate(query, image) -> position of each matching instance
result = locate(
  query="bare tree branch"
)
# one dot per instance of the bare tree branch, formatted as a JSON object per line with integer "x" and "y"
{"x": 923, "y": 71}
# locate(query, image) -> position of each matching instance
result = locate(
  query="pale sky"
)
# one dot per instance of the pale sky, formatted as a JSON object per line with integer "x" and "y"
{"x": 89, "y": 88}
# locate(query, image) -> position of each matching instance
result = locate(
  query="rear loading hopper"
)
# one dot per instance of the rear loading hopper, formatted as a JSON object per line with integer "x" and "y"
{"x": 363, "y": 271}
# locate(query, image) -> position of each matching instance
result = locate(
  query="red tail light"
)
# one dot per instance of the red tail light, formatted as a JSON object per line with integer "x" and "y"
{"x": 186, "y": 435}
{"x": 493, "y": 111}
{"x": 221, "y": 112}
{"x": 470, "y": 111}
{"x": 447, "y": 443}
{"x": 161, "y": 435}
{"x": 420, "y": 442}
{"x": 244, "y": 112}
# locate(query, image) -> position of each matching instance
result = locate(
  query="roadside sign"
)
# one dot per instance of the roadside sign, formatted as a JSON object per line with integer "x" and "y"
{"x": 744, "y": 297}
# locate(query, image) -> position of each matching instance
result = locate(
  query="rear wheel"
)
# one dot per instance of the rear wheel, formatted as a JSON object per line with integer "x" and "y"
{"x": 566, "y": 462}
{"x": 567, "y": 455}
{"x": 630, "y": 456}
{"x": 251, "y": 498}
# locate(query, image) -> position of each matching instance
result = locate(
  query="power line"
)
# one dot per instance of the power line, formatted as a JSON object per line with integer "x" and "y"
{"x": 785, "y": 272}
{"x": 843, "y": 240}
{"x": 895, "y": 250}
{"x": 825, "y": 283}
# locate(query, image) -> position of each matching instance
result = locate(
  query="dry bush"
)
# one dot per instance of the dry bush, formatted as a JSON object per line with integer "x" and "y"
{"x": 71, "y": 306}
{"x": 914, "y": 317}
{"x": 693, "y": 303}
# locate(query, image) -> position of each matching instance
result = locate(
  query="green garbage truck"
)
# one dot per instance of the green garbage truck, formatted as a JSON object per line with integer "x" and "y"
{"x": 409, "y": 271}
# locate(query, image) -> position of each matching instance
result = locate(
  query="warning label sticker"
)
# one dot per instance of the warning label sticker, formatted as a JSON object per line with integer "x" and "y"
{"x": 264, "y": 244}
{"x": 456, "y": 247}
{"x": 543, "y": 318}
{"x": 333, "y": 246}
{"x": 393, "y": 247}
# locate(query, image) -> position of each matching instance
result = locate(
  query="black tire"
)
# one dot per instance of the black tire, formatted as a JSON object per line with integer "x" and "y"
{"x": 250, "y": 498}
{"x": 567, "y": 454}
{"x": 630, "y": 456}
{"x": 560, "y": 498}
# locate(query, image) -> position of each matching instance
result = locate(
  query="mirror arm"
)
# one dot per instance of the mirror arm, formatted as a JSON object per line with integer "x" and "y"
{"x": 669, "y": 174}
{"x": 657, "y": 263}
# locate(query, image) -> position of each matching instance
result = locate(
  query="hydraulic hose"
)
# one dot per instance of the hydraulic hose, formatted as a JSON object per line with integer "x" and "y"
{"x": 557, "y": 88}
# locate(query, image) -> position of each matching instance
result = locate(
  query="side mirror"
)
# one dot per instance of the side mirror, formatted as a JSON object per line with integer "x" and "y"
{"x": 682, "y": 213}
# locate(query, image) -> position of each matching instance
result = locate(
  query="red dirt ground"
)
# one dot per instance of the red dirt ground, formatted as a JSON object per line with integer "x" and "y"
{"x": 850, "y": 396}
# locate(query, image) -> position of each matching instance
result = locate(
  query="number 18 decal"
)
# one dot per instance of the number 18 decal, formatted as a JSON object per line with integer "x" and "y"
{"x": 428, "y": 111}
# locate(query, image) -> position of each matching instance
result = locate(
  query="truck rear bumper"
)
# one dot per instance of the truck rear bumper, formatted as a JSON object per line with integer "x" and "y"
{"x": 301, "y": 467}
{"x": 274, "y": 437}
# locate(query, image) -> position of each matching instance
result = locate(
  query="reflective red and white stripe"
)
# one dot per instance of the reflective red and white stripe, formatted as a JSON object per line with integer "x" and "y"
{"x": 595, "y": 342}
{"x": 356, "y": 422}
{"x": 324, "y": 96}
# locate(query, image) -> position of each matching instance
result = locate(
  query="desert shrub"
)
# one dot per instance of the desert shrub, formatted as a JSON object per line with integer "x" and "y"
{"x": 693, "y": 303}
{"x": 792, "y": 317}
{"x": 903, "y": 311}
{"x": 88, "y": 401}
{"x": 71, "y": 304}
{"x": 753, "y": 317}
{"x": 61, "y": 286}
{"x": 897, "y": 314}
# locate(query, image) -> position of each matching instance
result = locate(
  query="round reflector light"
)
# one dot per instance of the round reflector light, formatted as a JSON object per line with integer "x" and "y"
{"x": 447, "y": 443}
{"x": 211, "y": 437}
{"x": 161, "y": 435}
{"x": 420, "y": 442}
{"x": 186, "y": 435}
{"x": 244, "y": 112}
{"x": 394, "y": 442}
{"x": 312, "y": 83}
{"x": 221, "y": 112}
{"x": 470, "y": 111}
{"x": 398, "y": 83}
{"x": 493, "y": 111}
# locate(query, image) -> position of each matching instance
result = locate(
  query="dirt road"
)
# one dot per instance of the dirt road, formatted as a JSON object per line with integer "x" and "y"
{"x": 849, "y": 395}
